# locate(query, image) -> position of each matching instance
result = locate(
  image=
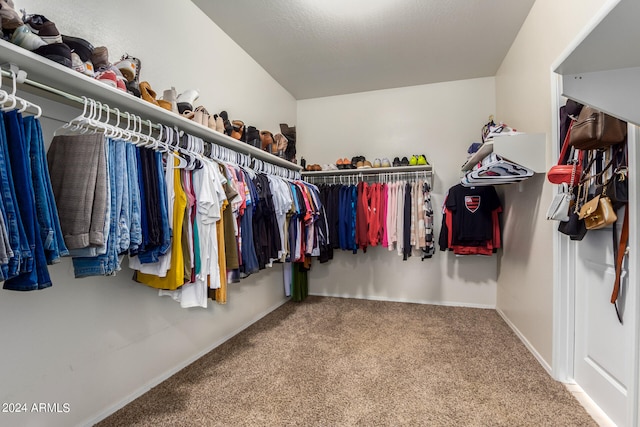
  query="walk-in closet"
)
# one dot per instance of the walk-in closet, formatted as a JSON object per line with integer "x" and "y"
{"x": 341, "y": 150}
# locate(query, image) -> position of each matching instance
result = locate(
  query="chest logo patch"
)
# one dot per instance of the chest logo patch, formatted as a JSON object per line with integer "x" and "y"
{"x": 472, "y": 203}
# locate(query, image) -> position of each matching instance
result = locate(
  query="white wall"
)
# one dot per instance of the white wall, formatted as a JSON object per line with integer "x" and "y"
{"x": 523, "y": 98}
{"x": 438, "y": 120}
{"x": 96, "y": 343}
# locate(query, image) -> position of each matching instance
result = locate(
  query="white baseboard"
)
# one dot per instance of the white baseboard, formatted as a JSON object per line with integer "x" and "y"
{"x": 142, "y": 390}
{"x": 379, "y": 298}
{"x": 526, "y": 342}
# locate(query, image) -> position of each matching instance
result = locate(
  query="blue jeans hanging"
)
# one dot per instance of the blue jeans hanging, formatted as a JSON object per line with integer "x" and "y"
{"x": 36, "y": 274}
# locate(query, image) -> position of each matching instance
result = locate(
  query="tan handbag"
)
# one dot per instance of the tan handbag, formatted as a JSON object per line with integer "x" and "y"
{"x": 598, "y": 213}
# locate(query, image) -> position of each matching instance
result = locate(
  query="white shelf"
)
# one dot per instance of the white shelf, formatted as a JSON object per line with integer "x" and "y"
{"x": 527, "y": 149}
{"x": 54, "y": 75}
{"x": 601, "y": 68}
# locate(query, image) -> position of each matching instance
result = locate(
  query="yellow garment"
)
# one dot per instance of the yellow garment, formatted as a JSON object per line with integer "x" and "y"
{"x": 221, "y": 292}
{"x": 175, "y": 276}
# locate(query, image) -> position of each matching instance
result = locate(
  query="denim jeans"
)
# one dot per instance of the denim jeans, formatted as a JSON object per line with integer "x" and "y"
{"x": 249, "y": 258}
{"x": 47, "y": 213}
{"x": 124, "y": 219}
{"x": 153, "y": 253}
{"x": 105, "y": 264}
{"x": 35, "y": 274}
{"x": 144, "y": 226}
{"x": 15, "y": 228}
{"x": 135, "y": 228}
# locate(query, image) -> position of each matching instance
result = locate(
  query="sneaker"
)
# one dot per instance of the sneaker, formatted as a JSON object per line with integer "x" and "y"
{"x": 422, "y": 160}
{"x": 108, "y": 77}
{"x": 404, "y": 162}
{"x": 377, "y": 163}
{"x": 385, "y": 163}
{"x": 366, "y": 164}
{"x": 77, "y": 64}
{"x": 10, "y": 18}
{"x": 49, "y": 33}
{"x": 129, "y": 66}
{"x": 396, "y": 162}
{"x": 112, "y": 79}
{"x": 413, "y": 161}
{"x": 24, "y": 38}
{"x": 359, "y": 164}
{"x": 81, "y": 47}
{"x": 100, "y": 58}
{"x": 57, "y": 52}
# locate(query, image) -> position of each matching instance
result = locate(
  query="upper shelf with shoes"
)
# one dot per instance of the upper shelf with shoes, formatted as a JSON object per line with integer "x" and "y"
{"x": 56, "y": 81}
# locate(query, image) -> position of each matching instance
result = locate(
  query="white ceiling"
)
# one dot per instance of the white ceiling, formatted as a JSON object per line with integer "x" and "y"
{"x": 317, "y": 48}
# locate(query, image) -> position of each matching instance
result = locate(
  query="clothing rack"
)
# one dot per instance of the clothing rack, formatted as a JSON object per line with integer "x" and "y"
{"x": 57, "y": 82}
{"x": 382, "y": 175}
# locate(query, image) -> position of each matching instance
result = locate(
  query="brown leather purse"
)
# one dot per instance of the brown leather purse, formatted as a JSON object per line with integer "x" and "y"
{"x": 595, "y": 129}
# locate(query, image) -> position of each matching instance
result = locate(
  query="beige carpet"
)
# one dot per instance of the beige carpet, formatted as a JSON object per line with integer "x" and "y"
{"x": 342, "y": 362}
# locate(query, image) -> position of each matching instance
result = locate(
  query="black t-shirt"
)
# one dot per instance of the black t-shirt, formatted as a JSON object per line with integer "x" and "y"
{"x": 472, "y": 209}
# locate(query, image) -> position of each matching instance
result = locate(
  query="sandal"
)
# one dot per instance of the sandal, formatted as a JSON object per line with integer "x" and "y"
{"x": 147, "y": 93}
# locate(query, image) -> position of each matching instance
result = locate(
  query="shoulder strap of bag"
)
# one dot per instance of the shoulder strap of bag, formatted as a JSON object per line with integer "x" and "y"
{"x": 565, "y": 145}
{"x": 622, "y": 249}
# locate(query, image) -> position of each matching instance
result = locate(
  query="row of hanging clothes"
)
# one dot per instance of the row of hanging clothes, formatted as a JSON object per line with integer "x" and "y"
{"x": 392, "y": 210}
{"x": 30, "y": 233}
{"x": 191, "y": 216}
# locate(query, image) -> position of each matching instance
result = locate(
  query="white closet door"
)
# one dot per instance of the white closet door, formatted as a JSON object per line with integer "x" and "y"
{"x": 604, "y": 350}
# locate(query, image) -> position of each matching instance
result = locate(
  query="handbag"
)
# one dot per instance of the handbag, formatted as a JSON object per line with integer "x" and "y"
{"x": 560, "y": 205}
{"x": 598, "y": 212}
{"x": 562, "y": 173}
{"x": 574, "y": 227}
{"x": 594, "y": 129}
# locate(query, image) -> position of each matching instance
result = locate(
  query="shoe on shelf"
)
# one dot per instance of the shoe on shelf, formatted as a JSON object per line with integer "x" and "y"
{"x": 24, "y": 37}
{"x": 108, "y": 77}
{"x": 77, "y": 64}
{"x": 171, "y": 96}
{"x": 339, "y": 164}
{"x": 81, "y": 47}
{"x": 385, "y": 163}
{"x": 377, "y": 163}
{"x": 266, "y": 141}
{"x": 396, "y": 162}
{"x": 100, "y": 58}
{"x": 129, "y": 66}
{"x": 238, "y": 129}
{"x": 404, "y": 162}
{"x": 413, "y": 161}
{"x": 57, "y": 52}
{"x": 10, "y": 18}
{"x": 366, "y": 164}
{"x": 43, "y": 27}
{"x": 187, "y": 99}
{"x": 219, "y": 123}
{"x": 422, "y": 160}
{"x": 164, "y": 104}
{"x": 147, "y": 93}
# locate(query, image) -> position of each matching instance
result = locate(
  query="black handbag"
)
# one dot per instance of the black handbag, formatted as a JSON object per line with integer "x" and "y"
{"x": 575, "y": 227}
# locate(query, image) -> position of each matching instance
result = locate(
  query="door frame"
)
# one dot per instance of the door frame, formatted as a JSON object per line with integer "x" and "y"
{"x": 564, "y": 268}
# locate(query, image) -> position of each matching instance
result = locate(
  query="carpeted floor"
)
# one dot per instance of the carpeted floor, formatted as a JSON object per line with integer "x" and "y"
{"x": 342, "y": 362}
